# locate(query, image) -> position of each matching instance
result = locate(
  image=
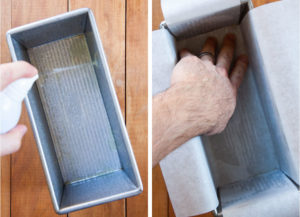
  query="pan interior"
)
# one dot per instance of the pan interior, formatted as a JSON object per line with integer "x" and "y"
{"x": 74, "y": 109}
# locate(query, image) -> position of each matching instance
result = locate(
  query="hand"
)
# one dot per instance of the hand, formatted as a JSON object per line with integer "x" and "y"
{"x": 201, "y": 99}
{"x": 11, "y": 141}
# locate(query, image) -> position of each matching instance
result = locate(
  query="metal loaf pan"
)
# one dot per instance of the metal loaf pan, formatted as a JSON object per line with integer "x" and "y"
{"x": 74, "y": 112}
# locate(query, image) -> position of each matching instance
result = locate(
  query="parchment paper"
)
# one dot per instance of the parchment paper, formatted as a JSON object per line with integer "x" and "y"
{"x": 199, "y": 16}
{"x": 272, "y": 31}
{"x": 271, "y": 194}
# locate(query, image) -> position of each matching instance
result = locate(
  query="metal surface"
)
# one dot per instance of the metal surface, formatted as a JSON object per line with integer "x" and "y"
{"x": 74, "y": 112}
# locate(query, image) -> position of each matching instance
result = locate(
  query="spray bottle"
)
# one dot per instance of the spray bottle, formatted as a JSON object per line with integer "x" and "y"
{"x": 11, "y": 102}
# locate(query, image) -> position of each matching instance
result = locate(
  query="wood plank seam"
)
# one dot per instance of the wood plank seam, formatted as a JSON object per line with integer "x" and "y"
{"x": 125, "y": 117}
{"x": 68, "y": 9}
{"x": 110, "y": 19}
{"x": 136, "y": 80}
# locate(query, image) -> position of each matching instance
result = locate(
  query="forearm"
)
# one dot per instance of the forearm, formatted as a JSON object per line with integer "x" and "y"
{"x": 164, "y": 128}
{"x": 170, "y": 126}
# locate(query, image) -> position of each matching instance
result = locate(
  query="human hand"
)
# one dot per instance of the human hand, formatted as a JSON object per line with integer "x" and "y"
{"x": 201, "y": 99}
{"x": 11, "y": 141}
{"x": 205, "y": 91}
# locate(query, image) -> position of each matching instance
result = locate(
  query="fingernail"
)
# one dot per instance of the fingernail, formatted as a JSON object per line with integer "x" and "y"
{"x": 183, "y": 53}
{"x": 244, "y": 58}
{"x": 22, "y": 129}
{"x": 34, "y": 71}
{"x": 211, "y": 38}
{"x": 231, "y": 36}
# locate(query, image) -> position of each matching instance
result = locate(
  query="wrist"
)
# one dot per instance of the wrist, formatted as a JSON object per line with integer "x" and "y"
{"x": 171, "y": 126}
{"x": 165, "y": 127}
{"x": 191, "y": 118}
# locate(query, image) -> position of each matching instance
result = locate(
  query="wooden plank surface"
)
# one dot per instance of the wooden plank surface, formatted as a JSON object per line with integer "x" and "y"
{"x": 5, "y": 24}
{"x": 137, "y": 96}
{"x": 160, "y": 199}
{"x": 110, "y": 18}
{"x": 29, "y": 192}
{"x": 164, "y": 209}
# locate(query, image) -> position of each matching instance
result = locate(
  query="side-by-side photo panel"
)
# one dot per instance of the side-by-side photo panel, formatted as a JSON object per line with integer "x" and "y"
{"x": 225, "y": 108}
{"x": 78, "y": 146}
{"x": 156, "y": 108}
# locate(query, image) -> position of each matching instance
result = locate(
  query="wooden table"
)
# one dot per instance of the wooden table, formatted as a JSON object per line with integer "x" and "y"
{"x": 123, "y": 28}
{"x": 162, "y": 206}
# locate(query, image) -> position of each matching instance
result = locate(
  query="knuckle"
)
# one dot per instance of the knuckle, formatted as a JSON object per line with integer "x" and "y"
{"x": 218, "y": 128}
{"x": 24, "y": 63}
{"x": 193, "y": 58}
{"x": 222, "y": 128}
{"x": 227, "y": 55}
{"x": 221, "y": 70}
{"x": 209, "y": 63}
{"x": 28, "y": 67}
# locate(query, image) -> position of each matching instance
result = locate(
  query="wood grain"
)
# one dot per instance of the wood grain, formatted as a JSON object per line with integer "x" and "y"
{"x": 160, "y": 199}
{"x": 160, "y": 209}
{"x": 116, "y": 208}
{"x": 110, "y": 18}
{"x": 29, "y": 192}
{"x": 157, "y": 15}
{"x": 257, "y": 3}
{"x": 5, "y": 186}
{"x": 137, "y": 97}
{"x": 5, "y": 24}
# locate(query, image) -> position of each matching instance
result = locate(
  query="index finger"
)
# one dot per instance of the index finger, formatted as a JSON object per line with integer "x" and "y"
{"x": 10, "y": 72}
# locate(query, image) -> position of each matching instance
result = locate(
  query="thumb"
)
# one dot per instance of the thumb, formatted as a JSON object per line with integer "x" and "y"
{"x": 11, "y": 142}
